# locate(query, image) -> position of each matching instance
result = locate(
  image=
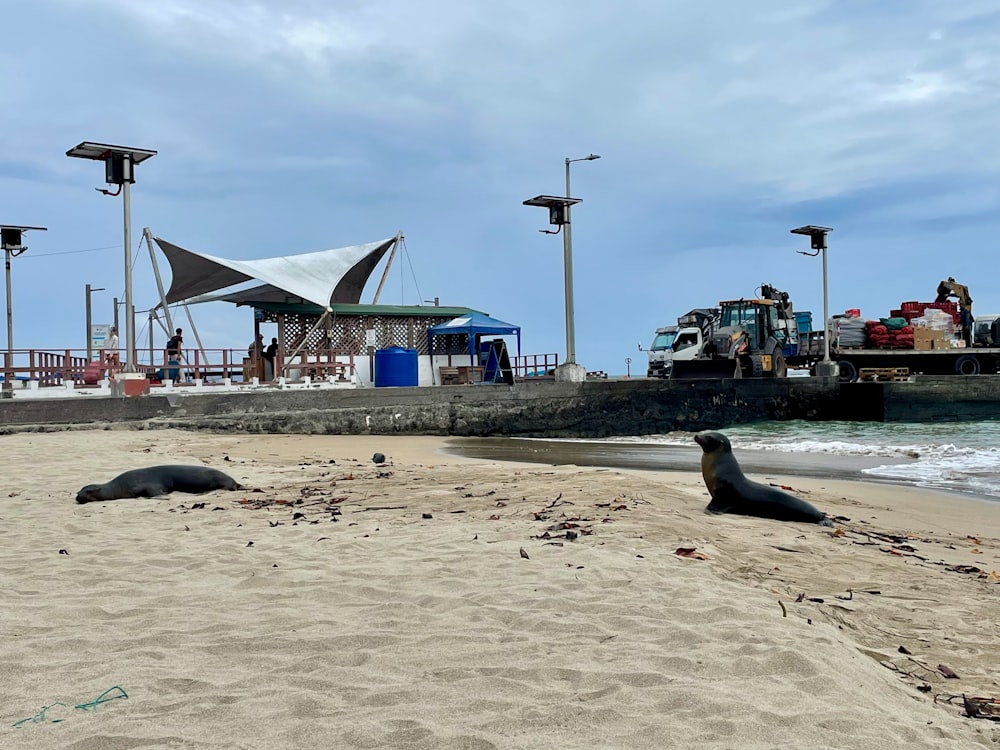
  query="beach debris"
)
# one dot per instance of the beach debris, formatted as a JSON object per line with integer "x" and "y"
{"x": 250, "y": 544}
{"x": 981, "y": 708}
{"x": 691, "y": 552}
{"x": 804, "y": 598}
{"x": 64, "y": 552}
{"x": 788, "y": 488}
{"x": 849, "y": 597}
{"x": 524, "y": 554}
{"x": 924, "y": 688}
{"x": 904, "y": 650}
{"x": 426, "y": 515}
{"x": 975, "y": 707}
{"x": 40, "y": 717}
{"x": 378, "y": 458}
{"x": 103, "y": 698}
{"x": 784, "y": 611}
{"x": 947, "y": 672}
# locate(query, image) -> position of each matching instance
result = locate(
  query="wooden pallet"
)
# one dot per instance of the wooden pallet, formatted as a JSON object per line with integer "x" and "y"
{"x": 884, "y": 373}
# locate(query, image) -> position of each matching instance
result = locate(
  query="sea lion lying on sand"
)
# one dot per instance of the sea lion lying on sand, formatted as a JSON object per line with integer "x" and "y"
{"x": 732, "y": 492}
{"x": 154, "y": 481}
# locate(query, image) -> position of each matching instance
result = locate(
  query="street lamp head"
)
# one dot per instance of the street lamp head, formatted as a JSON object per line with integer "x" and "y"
{"x": 557, "y": 206}
{"x": 816, "y": 235}
{"x": 10, "y": 237}
{"x": 118, "y": 160}
{"x": 589, "y": 157}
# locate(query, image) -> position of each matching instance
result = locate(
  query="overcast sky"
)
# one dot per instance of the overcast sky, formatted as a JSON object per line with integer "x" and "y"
{"x": 287, "y": 126}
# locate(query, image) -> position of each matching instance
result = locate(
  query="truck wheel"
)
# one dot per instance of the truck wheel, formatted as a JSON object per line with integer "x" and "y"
{"x": 756, "y": 366}
{"x": 847, "y": 371}
{"x": 967, "y": 364}
{"x": 778, "y": 367}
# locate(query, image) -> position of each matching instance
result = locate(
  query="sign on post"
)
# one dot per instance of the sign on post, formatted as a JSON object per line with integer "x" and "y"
{"x": 99, "y": 334}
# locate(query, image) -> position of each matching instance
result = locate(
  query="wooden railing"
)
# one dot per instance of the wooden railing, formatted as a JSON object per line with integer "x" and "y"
{"x": 60, "y": 367}
{"x": 71, "y": 366}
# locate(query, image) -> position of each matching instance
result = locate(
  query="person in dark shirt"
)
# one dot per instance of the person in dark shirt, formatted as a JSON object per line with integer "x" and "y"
{"x": 174, "y": 344}
{"x": 174, "y": 355}
{"x": 269, "y": 354}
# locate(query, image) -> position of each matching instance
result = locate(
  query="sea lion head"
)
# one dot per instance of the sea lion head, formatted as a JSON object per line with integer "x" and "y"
{"x": 89, "y": 493}
{"x": 711, "y": 442}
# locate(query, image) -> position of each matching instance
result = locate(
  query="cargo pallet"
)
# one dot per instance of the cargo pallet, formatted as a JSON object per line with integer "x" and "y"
{"x": 897, "y": 374}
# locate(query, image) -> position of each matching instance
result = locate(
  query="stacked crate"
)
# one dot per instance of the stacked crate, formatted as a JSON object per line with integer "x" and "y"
{"x": 911, "y": 310}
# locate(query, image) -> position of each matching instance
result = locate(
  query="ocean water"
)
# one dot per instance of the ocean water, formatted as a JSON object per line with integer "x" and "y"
{"x": 955, "y": 456}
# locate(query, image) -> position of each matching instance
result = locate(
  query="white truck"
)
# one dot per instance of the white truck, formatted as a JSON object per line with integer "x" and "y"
{"x": 683, "y": 341}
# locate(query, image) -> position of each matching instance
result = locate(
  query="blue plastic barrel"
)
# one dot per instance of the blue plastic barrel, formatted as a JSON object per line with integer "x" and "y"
{"x": 395, "y": 367}
{"x": 804, "y": 321}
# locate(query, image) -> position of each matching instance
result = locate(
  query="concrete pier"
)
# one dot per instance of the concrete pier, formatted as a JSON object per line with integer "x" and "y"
{"x": 600, "y": 408}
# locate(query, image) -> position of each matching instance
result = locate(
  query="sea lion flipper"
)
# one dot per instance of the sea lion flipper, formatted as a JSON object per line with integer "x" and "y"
{"x": 724, "y": 498}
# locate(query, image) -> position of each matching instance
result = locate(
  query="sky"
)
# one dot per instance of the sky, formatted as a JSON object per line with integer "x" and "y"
{"x": 289, "y": 126}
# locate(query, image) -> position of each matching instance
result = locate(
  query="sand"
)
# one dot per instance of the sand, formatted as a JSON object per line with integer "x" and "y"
{"x": 414, "y": 605}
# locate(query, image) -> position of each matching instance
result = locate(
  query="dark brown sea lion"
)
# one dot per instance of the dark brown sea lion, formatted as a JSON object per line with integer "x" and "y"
{"x": 154, "y": 481}
{"x": 732, "y": 492}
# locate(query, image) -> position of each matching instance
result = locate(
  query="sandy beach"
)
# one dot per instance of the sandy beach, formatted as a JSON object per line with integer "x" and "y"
{"x": 447, "y": 602}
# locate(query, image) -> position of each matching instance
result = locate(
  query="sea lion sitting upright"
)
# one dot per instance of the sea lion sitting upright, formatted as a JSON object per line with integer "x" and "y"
{"x": 732, "y": 492}
{"x": 154, "y": 481}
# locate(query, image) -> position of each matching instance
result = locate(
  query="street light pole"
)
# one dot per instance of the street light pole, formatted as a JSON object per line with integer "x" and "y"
{"x": 129, "y": 311}
{"x": 568, "y": 269}
{"x": 90, "y": 335}
{"x": 817, "y": 239}
{"x": 119, "y": 166}
{"x": 10, "y": 238}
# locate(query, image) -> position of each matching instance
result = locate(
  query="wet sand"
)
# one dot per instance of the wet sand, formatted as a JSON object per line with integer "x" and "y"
{"x": 651, "y": 457}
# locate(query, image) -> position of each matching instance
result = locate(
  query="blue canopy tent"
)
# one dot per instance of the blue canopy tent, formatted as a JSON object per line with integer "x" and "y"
{"x": 474, "y": 324}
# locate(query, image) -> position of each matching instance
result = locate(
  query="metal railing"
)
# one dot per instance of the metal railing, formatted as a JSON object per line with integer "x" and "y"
{"x": 535, "y": 366}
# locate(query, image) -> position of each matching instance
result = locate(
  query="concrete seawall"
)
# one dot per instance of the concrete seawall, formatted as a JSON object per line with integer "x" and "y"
{"x": 544, "y": 409}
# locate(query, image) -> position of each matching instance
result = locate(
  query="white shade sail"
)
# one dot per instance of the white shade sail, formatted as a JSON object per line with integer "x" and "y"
{"x": 323, "y": 278}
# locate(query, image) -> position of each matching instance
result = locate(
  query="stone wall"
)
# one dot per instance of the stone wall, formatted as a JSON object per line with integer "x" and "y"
{"x": 543, "y": 409}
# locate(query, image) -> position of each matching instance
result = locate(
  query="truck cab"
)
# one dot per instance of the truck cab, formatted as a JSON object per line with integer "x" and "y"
{"x": 982, "y": 330}
{"x": 661, "y": 352}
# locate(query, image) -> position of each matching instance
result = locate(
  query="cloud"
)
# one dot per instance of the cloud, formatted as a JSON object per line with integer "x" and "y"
{"x": 721, "y": 124}
{"x": 796, "y": 101}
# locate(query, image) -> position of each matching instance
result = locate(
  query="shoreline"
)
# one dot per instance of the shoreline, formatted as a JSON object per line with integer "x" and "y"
{"x": 661, "y": 457}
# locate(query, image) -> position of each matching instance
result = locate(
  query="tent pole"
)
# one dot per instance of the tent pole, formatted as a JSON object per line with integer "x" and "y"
{"x": 148, "y": 236}
{"x": 385, "y": 272}
{"x": 197, "y": 336}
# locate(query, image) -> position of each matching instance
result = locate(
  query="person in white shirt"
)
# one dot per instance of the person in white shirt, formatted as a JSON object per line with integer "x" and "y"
{"x": 111, "y": 347}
